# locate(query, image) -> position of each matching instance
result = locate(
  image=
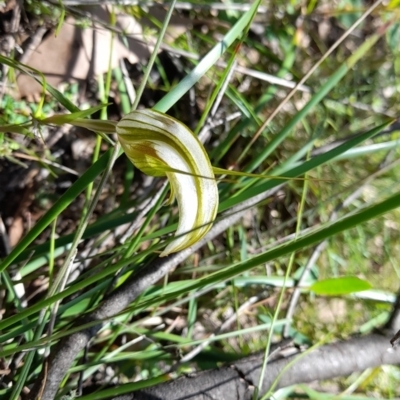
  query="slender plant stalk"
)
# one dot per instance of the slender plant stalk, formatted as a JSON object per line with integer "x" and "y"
{"x": 282, "y": 292}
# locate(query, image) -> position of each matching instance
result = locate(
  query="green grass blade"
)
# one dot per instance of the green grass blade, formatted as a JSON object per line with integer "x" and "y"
{"x": 304, "y": 167}
{"x": 208, "y": 61}
{"x": 301, "y": 243}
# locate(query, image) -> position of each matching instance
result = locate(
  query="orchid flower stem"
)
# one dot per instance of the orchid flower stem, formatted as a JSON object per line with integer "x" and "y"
{"x": 84, "y": 222}
{"x": 62, "y": 276}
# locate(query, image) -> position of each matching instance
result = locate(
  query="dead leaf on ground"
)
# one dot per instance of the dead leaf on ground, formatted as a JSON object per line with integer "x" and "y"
{"x": 77, "y": 53}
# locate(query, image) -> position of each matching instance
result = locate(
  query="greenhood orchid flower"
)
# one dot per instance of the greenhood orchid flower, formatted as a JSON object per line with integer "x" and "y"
{"x": 160, "y": 145}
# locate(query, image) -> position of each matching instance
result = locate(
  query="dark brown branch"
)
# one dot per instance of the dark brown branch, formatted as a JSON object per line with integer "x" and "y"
{"x": 238, "y": 381}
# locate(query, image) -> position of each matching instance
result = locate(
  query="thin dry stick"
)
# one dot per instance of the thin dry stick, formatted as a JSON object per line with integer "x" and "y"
{"x": 262, "y": 76}
{"x": 273, "y": 80}
{"x": 45, "y": 161}
{"x": 83, "y": 260}
{"x": 203, "y": 134}
{"x": 10, "y": 40}
{"x": 313, "y": 69}
{"x": 223, "y": 90}
{"x": 130, "y": 89}
{"x": 16, "y": 276}
{"x": 57, "y": 135}
{"x": 393, "y": 322}
{"x": 205, "y": 130}
{"x": 179, "y": 5}
{"x": 4, "y": 238}
{"x": 34, "y": 43}
{"x": 135, "y": 224}
{"x": 225, "y": 325}
{"x": 92, "y": 247}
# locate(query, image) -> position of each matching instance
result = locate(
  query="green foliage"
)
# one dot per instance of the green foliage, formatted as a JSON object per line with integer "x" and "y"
{"x": 340, "y": 286}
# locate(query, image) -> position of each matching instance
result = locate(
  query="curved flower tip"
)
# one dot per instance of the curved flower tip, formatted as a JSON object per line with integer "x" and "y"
{"x": 160, "y": 145}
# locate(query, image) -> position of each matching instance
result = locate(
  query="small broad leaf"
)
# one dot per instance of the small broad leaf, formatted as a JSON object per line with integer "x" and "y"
{"x": 339, "y": 286}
